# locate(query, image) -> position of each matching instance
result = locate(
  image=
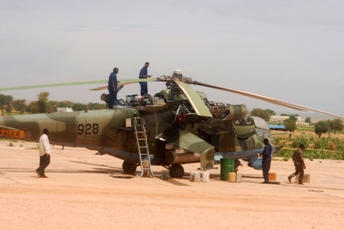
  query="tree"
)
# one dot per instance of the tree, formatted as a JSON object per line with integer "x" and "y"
{"x": 293, "y": 118}
{"x": 78, "y": 107}
{"x": 42, "y": 102}
{"x": 271, "y": 112}
{"x": 67, "y": 104}
{"x": 260, "y": 113}
{"x": 321, "y": 127}
{"x": 290, "y": 124}
{"x": 32, "y": 107}
{"x": 337, "y": 125}
{"x": 308, "y": 120}
{"x": 19, "y": 105}
{"x": 95, "y": 106}
{"x": 6, "y": 102}
{"x": 330, "y": 126}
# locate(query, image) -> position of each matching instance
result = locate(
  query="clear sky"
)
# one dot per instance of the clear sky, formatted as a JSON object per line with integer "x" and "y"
{"x": 288, "y": 50}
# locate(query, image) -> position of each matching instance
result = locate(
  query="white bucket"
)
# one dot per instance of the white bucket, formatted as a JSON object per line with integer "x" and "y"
{"x": 192, "y": 176}
{"x": 197, "y": 177}
{"x": 205, "y": 176}
{"x": 238, "y": 178}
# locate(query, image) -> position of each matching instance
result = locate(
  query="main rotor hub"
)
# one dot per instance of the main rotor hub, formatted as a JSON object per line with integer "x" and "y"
{"x": 177, "y": 75}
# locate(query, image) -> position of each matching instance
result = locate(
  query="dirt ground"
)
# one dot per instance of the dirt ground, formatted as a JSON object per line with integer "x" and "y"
{"x": 81, "y": 193}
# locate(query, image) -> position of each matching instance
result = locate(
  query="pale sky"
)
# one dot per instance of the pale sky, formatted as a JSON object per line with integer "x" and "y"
{"x": 288, "y": 50}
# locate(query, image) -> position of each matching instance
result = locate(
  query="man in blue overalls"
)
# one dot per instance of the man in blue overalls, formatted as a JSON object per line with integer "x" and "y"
{"x": 144, "y": 74}
{"x": 113, "y": 88}
{"x": 267, "y": 155}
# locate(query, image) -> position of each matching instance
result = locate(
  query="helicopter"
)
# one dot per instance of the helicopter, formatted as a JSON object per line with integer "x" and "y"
{"x": 178, "y": 126}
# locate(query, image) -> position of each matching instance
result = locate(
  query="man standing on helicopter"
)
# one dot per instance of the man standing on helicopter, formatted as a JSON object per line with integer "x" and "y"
{"x": 113, "y": 88}
{"x": 144, "y": 74}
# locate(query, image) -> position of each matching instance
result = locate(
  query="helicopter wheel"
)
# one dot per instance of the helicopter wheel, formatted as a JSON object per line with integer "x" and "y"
{"x": 129, "y": 168}
{"x": 176, "y": 171}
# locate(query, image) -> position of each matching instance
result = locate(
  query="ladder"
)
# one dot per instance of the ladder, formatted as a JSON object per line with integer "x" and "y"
{"x": 142, "y": 146}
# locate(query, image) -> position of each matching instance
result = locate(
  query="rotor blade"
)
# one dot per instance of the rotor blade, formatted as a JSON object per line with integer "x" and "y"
{"x": 195, "y": 100}
{"x": 53, "y": 85}
{"x": 137, "y": 80}
{"x": 105, "y": 87}
{"x": 124, "y": 82}
{"x": 99, "y": 88}
{"x": 268, "y": 99}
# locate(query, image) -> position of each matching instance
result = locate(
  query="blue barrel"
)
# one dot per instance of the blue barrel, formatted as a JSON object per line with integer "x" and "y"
{"x": 227, "y": 166}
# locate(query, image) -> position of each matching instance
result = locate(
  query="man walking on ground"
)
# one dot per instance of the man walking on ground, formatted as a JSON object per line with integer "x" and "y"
{"x": 113, "y": 88}
{"x": 143, "y": 75}
{"x": 44, "y": 154}
{"x": 299, "y": 164}
{"x": 267, "y": 154}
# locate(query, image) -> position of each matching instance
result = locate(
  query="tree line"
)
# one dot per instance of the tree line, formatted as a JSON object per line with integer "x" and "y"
{"x": 320, "y": 127}
{"x": 42, "y": 105}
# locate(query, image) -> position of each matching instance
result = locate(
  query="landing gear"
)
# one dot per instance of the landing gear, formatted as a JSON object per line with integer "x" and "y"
{"x": 129, "y": 168}
{"x": 176, "y": 171}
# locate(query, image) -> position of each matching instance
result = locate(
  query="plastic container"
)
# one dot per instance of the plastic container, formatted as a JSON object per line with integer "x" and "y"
{"x": 192, "y": 176}
{"x": 238, "y": 178}
{"x": 272, "y": 176}
{"x": 205, "y": 176}
{"x": 197, "y": 177}
{"x": 232, "y": 177}
{"x": 165, "y": 175}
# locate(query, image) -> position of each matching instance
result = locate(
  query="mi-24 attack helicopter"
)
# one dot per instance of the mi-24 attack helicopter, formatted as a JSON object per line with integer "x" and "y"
{"x": 178, "y": 126}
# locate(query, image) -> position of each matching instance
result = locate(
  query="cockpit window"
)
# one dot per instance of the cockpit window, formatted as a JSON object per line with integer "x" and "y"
{"x": 260, "y": 123}
{"x": 244, "y": 121}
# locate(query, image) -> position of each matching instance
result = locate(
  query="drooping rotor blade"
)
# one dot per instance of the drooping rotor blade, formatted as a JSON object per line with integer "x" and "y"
{"x": 124, "y": 82}
{"x": 268, "y": 99}
{"x": 99, "y": 88}
{"x": 54, "y": 85}
{"x": 195, "y": 100}
{"x": 105, "y": 87}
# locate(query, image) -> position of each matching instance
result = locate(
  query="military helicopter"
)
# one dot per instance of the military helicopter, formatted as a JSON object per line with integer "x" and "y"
{"x": 176, "y": 126}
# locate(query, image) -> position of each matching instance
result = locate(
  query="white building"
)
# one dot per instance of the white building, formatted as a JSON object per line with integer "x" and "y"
{"x": 62, "y": 110}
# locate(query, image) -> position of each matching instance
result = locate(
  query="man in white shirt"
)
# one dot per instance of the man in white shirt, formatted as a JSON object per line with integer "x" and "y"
{"x": 44, "y": 154}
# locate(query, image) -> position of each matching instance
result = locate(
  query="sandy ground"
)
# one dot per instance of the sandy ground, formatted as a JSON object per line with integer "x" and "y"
{"x": 80, "y": 193}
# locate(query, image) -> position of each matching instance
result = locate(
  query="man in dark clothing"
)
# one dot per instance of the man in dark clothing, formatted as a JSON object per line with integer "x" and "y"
{"x": 299, "y": 164}
{"x": 144, "y": 74}
{"x": 113, "y": 87}
{"x": 267, "y": 154}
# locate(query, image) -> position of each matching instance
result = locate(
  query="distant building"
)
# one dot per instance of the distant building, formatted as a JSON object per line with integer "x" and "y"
{"x": 63, "y": 110}
{"x": 277, "y": 127}
{"x": 280, "y": 119}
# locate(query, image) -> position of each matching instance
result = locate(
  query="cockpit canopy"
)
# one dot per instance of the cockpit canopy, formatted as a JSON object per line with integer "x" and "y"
{"x": 260, "y": 123}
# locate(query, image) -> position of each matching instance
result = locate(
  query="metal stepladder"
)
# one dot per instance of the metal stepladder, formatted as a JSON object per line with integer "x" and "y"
{"x": 142, "y": 146}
